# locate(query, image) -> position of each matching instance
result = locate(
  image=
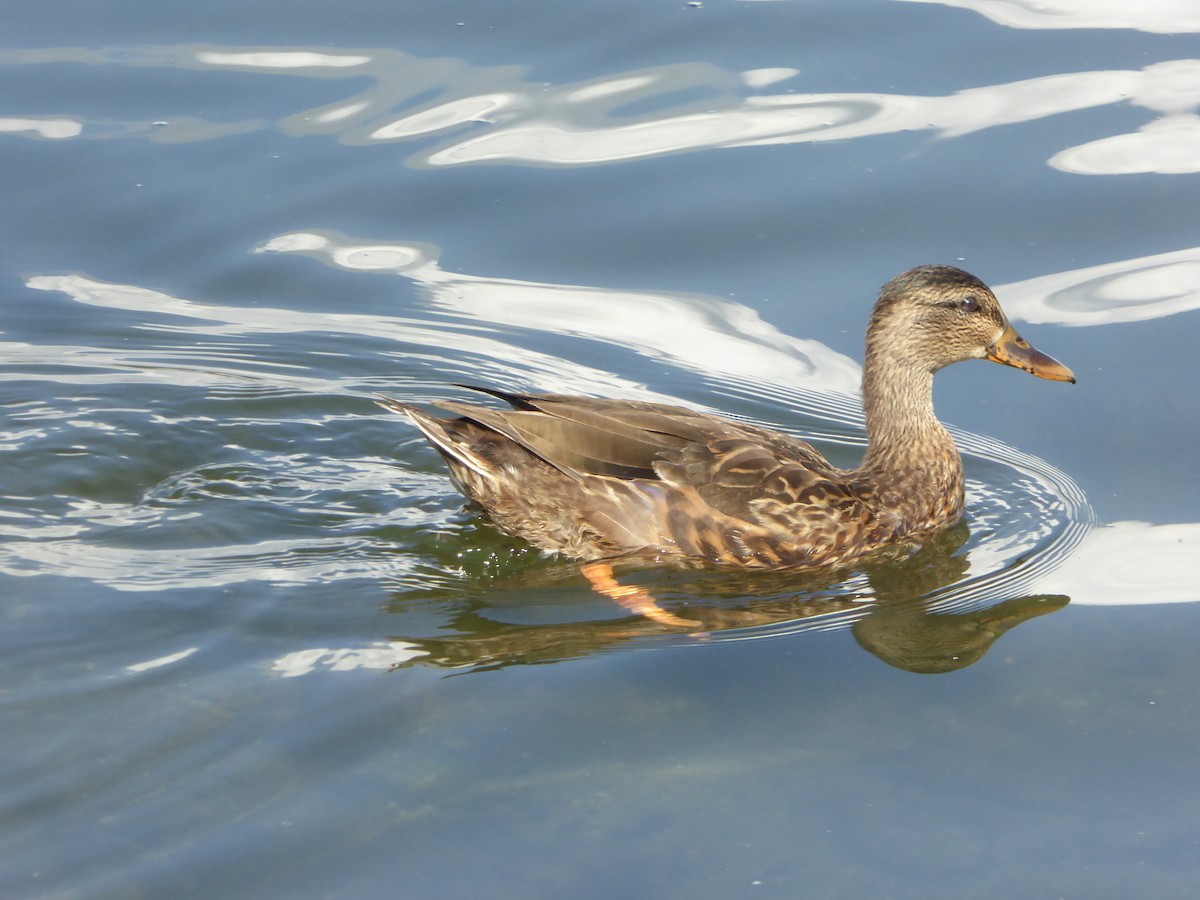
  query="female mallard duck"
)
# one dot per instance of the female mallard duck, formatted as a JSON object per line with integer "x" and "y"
{"x": 598, "y": 479}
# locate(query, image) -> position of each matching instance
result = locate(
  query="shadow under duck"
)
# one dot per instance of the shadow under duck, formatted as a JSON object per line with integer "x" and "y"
{"x": 600, "y": 479}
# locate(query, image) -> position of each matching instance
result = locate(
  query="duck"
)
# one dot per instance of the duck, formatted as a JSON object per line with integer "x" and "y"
{"x": 601, "y": 480}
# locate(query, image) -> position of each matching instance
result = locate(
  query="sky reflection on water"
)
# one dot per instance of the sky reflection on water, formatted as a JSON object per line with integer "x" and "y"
{"x": 1159, "y": 16}
{"x": 511, "y": 120}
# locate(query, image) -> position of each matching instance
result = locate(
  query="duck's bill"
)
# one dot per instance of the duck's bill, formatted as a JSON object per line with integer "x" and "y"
{"x": 1013, "y": 350}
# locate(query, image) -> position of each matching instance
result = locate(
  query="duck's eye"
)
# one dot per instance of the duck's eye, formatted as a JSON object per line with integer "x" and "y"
{"x": 967, "y": 304}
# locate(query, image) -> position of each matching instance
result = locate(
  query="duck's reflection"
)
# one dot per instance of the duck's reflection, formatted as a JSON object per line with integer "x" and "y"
{"x": 896, "y": 610}
{"x": 904, "y": 629}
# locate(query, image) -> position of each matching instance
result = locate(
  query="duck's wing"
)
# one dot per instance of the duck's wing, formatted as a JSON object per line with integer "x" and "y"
{"x": 737, "y": 469}
{"x": 581, "y": 436}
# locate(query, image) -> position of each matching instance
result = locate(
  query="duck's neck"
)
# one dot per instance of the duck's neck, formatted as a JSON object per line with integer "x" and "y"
{"x": 898, "y": 401}
{"x": 911, "y": 461}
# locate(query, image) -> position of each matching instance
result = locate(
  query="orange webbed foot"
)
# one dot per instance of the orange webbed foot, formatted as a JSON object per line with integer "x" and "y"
{"x": 634, "y": 599}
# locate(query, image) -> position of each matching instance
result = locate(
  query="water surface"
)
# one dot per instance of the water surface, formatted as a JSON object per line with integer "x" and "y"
{"x": 252, "y": 640}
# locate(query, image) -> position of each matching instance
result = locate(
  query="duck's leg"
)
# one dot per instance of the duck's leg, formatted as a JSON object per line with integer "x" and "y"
{"x": 634, "y": 599}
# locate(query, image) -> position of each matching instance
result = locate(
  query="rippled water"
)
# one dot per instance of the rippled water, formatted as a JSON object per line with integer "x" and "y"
{"x": 253, "y": 642}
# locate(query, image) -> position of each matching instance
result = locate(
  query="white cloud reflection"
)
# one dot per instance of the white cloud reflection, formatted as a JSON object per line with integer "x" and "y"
{"x": 161, "y": 661}
{"x": 50, "y": 128}
{"x": 692, "y": 331}
{"x": 496, "y": 115}
{"x": 280, "y": 59}
{"x": 1159, "y": 16}
{"x": 379, "y": 655}
{"x": 1129, "y": 290}
{"x": 191, "y": 362}
{"x": 279, "y": 562}
{"x": 698, "y": 331}
{"x": 559, "y": 133}
{"x": 1131, "y": 563}
{"x": 1168, "y": 145}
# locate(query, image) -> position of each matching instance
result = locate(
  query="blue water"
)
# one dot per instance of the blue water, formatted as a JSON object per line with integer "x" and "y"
{"x": 251, "y": 642}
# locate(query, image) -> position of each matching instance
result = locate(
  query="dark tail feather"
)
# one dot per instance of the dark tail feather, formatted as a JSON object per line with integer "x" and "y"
{"x": 437, "y": 434}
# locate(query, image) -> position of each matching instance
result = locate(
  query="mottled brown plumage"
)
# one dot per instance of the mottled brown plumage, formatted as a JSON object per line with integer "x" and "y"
{"x": 597, "y": 479}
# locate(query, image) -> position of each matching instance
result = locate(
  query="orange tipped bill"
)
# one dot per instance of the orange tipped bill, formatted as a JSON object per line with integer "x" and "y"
{"x": 1013, "y": 350}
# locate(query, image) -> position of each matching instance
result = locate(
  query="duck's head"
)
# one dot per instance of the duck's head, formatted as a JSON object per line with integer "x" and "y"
{"x": 932, "y": 316}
